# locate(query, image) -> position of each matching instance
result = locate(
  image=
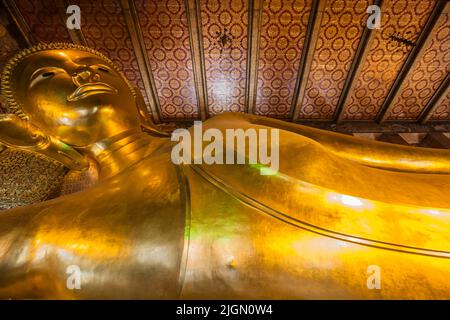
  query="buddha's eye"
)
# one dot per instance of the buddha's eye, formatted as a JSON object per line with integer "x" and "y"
{"x": 41, "y": 75}
{"x": 48, "y": 74}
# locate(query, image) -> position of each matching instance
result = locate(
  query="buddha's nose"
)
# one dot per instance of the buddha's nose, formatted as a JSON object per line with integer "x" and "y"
{"x": 85, "y": 75}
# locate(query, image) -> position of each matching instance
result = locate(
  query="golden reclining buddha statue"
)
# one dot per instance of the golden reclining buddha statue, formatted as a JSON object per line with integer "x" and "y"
{"x": 337, "y": 208}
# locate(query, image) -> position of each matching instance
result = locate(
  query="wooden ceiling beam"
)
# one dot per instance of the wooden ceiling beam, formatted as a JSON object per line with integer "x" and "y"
{"x": 435, "y": 140}
{"x": 355, "y": 68}
{"x": 435, "y": 100}
{"x": 364, "y": 126}
{"x": 134, "y": 29}
{"x": 312, "y": 34}
{"x": 198, "y": 59}
{"x": 254, "y": 37}
{"x": 413, "y": 57}
{"x": 20, "y": 22}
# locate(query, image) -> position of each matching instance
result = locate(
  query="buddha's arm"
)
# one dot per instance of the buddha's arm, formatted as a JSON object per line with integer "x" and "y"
{"x": 370, "y": 153}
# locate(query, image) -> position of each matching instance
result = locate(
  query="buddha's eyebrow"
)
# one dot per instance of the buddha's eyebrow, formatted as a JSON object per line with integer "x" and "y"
{"x": 91, "y": 61}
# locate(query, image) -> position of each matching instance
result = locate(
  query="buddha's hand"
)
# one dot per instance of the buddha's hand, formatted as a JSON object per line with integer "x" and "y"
{"x": 21, "y": 134}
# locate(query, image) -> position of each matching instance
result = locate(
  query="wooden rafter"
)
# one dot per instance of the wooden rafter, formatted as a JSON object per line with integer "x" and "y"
{"x": 435, "y": 100}
{"x": 134, "y": 29}
{"x": 254, "y": 38}
{"x": 312, "y": 34}
{"x": 198, "y": 59}
{"x": 436, "y": 140}
{"x": 392, "y": 138}
{"x": 413, "y": 58}
{"x": 20, "y": 22}
{"x": 355, "y": 69}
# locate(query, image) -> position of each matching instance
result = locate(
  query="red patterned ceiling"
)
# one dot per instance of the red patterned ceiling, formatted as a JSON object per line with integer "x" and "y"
{"x": 8, "y": 46}
{"x": 442, "y": 111}
{"x": 44, "y": 20}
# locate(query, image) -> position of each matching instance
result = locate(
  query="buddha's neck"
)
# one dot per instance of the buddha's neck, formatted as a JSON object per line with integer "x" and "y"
{"x": 121, "y": 151}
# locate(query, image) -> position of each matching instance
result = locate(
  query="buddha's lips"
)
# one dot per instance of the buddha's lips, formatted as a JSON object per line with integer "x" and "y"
{"x": 90, "y": 89}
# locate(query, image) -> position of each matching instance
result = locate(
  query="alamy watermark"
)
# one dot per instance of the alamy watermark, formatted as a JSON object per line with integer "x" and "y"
{"x": 74, "y": 20}
{"x": 73, "y": 281}
{"x": 374, "y": 19}
{"x": 374, "y": 277}
{"x": 250, "y": 146}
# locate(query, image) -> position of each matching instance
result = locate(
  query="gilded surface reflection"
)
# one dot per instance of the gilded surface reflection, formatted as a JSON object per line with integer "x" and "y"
{"x": 152, "y": 229}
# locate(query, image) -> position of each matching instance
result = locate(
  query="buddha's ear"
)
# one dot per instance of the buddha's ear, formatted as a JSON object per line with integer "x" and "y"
{"x": 145, "y": 117}
{"x": 21, "y": 134}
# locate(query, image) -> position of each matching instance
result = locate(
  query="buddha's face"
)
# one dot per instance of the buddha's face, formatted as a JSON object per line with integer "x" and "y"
{"x": 74, "y": 96}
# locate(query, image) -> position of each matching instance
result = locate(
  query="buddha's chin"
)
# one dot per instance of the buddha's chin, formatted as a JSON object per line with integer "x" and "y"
{"x": 100, "y": 100}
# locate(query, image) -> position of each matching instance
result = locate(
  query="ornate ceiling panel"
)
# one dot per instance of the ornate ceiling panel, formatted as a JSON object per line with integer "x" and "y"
{"x": 8, "y": 45}
{"x": 442, "y": 111}
{"x": 105, "y": 30}
{"x": 385, "y": 58}
{"x": 339, "y": 36}
{"x": 44, "y": 20}
{"x": 226, "y": 70}
{"x": 283, "y": 31}
{"x": 166, "y": 36}
{"x": 427, "y": 75}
